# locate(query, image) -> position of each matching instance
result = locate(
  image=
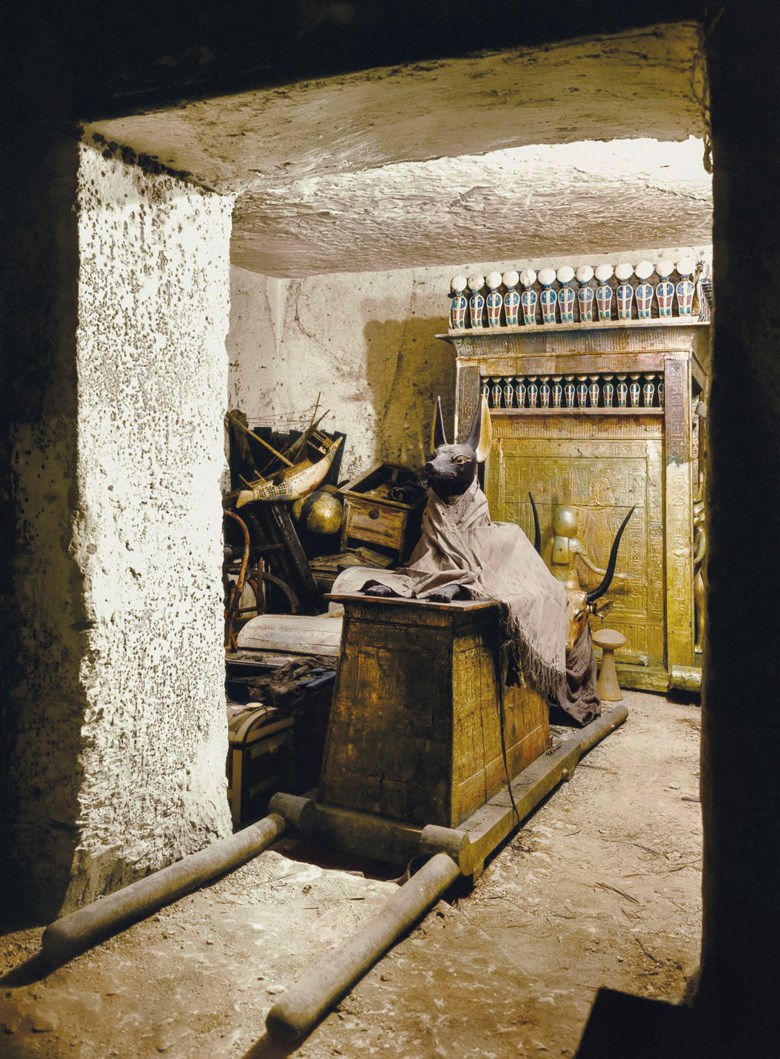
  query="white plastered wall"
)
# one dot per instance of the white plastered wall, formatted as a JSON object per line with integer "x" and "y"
{"x": 153, "y": 304}
{"x": 363, "y": 342}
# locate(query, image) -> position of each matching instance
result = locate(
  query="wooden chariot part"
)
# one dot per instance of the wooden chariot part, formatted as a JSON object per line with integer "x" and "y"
{"x": 609, "y": 640}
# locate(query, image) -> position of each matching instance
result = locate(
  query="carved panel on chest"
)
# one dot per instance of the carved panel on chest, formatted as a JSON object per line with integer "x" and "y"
{"x": 415, "y": 726}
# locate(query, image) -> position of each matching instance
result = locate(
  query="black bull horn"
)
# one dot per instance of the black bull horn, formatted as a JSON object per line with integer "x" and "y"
{"x": 591, "y": 597}
{"x": 537, "y": 531}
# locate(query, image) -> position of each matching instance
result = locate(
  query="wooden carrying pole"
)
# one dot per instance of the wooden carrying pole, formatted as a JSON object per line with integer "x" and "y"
{"x": 295, "y": 1013}
{"x": 455, "y": 852}
{"x": 79, "y": 930}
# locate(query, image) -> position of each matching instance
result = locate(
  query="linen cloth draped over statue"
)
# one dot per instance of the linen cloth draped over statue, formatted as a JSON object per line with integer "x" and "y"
{"x": 460, "y": 546}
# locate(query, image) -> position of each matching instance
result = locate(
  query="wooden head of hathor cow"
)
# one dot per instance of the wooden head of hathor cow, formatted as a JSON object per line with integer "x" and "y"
{"x": 582, "y": 604}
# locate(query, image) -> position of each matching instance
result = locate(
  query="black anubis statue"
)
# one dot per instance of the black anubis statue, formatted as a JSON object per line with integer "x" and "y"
{"x": 463, "y": 554}
{"x": 450, "y": 470}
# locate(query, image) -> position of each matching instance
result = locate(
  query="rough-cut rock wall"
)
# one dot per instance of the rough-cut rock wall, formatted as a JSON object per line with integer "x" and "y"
{"x": 365, "y": 342}
{"x": 401, "y": 167}
{"x": 138, "y": 650}
{"x": 42, "y": 639}
{"x": 740, "y": 778}
{"x": 569, "y": 196}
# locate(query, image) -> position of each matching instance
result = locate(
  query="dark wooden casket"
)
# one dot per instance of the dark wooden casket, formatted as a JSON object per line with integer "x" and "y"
{"x": 260, "y": 759}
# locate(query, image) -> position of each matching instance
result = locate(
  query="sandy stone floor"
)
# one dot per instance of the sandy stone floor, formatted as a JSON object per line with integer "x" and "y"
{"x": 601, "y": 887}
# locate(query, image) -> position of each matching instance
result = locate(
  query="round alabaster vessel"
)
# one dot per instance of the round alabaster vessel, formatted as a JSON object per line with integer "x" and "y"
{"x": 458, "y": 284}
{"x": 547, "y": 276}
{"x": 604, "y": 272}
{"x": 664, "y": 267}
{"x": 528, "y": 277}
{"x": 644, "y": 269}
{"x": 565, "y": 274}
{"x": 584, "y": 274}
{"x": 511, "y": 278}
{"x": 476, "y": 283}
{"x": 686, "y": 266}
{"x": 493, "y": 280}
{"x": 624, "y": 271}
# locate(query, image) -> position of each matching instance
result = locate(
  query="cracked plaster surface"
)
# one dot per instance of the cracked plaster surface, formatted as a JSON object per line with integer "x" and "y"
{"x": 147, "y": 535}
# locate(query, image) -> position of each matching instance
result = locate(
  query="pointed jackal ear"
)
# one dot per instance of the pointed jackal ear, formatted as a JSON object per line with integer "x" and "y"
{"x": 438, "y": 436}
{"x": 480, "y": 434}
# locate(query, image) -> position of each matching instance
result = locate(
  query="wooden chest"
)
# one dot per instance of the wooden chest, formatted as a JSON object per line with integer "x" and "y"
{"x": 381, "y": 509}
{"x": 415, "y": 730}
{"x": 260, "y": 759}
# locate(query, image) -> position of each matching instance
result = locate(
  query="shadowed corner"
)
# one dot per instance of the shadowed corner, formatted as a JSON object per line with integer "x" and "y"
{"x": 642, "y": 1028}
{"x": 270, "y": 1048}
{"x": 34, "y": 969}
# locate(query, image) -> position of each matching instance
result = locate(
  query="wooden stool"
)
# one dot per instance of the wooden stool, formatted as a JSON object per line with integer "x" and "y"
{"x": 609, "y": 640}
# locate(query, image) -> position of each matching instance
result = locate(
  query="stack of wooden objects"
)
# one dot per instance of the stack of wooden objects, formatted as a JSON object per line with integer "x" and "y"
{"x": 278, "y": 713}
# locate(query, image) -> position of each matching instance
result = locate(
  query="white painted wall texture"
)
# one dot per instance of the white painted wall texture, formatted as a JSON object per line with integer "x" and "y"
{"x": 153, "y": 298}
{"x": 363, "y": 341}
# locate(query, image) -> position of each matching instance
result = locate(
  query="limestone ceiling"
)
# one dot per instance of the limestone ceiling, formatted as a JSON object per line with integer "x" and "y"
{"x": 585, "y": 147}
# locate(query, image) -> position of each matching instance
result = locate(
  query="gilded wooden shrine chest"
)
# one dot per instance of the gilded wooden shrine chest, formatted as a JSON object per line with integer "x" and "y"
{"x": 601, "y": 416}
